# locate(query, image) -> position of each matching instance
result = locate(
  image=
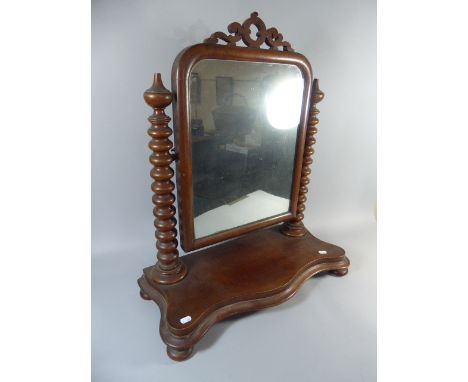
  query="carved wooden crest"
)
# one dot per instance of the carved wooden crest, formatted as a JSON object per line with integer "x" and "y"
{"x": 270, "y": 36}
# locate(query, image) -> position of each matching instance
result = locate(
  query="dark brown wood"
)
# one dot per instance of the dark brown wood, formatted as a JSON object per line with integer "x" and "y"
{"x": 169, "y": 268}
{"x": 183, "y": 139}
{"x": 270, "y": 37}
{"x": 295, "y": 227}
{"x": 265, "y": 266}
{"x": 261, "y": 269}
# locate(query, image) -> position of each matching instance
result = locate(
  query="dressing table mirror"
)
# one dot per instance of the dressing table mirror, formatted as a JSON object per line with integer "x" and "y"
{"x": 245, "y": 117}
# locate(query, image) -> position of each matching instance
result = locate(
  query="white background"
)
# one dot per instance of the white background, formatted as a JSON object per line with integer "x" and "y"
{"x": 45, "y": 207}
{"x": 329, "y": 329}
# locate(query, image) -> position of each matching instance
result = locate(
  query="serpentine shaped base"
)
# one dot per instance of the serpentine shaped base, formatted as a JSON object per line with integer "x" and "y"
{"x": 256, "y": 271}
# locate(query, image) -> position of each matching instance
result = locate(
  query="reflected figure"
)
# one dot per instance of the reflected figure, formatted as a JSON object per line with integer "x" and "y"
{"x": 243, "y": 162}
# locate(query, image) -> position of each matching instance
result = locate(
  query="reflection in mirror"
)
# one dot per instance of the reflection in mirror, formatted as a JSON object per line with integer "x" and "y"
{"x": 244, "y": 129}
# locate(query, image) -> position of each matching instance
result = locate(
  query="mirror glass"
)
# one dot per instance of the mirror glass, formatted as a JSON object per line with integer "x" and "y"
{"x": 244, "y": 119}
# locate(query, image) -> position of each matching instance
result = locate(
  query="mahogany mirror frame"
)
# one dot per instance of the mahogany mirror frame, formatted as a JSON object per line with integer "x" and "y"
{"x": 181, "y": 70}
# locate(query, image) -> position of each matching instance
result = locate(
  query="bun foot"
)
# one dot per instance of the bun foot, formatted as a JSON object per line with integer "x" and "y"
{"x": 179, "y": 354}
{"x": 339, "y": 272}
{"x": 144, "y": 296}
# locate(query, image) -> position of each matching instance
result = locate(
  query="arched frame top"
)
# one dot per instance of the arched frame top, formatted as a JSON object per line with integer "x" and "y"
{"x": 181, "y": 70}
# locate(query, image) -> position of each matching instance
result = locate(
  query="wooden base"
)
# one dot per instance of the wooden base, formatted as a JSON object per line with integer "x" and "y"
{"x": 261, "y": 269}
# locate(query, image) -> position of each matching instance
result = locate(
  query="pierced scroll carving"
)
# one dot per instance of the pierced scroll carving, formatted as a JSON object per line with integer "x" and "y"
{"x": 270, "y": 36}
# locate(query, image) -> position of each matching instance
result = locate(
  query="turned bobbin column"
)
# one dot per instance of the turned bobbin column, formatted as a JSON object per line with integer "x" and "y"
{"x": 295, "y": 227}
{"x": 169, "y": 268}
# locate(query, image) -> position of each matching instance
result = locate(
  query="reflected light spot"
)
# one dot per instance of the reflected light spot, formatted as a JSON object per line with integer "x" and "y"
{"x": 283, "y": 104}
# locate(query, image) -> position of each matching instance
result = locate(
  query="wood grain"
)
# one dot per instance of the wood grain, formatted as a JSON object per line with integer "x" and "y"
{"x": 261, "y": 269}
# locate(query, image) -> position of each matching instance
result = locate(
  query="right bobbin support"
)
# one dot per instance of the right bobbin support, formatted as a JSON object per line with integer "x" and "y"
{"x": 295, "y": 227}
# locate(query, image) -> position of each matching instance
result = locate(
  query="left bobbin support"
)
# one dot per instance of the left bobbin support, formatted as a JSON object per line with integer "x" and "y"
{"x": 169, "y": 268}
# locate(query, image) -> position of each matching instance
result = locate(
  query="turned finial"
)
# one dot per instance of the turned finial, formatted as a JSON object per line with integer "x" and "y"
{"x": 317, "y": 94}
{"x": 169, "y": 269}
{"x": 157, "y": 96}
